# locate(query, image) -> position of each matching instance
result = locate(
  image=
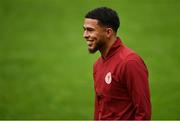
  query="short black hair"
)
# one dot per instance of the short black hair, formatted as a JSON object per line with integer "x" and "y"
{"x": 106, "y": 16}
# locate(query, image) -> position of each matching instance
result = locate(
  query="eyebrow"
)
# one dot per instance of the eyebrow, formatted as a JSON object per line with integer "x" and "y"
{"x": 88, "y": 28}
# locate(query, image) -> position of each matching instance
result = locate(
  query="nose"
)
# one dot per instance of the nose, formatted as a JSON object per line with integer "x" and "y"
{"x": 85, "y": 34}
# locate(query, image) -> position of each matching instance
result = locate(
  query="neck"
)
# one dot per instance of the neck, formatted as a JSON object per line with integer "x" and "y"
{"x": 105, "y": 49}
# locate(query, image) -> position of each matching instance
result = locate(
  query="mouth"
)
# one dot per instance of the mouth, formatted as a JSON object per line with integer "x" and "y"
{"x": 90, "y": 43}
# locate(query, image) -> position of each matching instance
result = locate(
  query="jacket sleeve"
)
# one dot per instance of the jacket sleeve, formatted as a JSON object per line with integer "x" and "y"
{"x": 95, "y": 98}
{"x": 95, "y": 109}
{"x": 136, "y": 75}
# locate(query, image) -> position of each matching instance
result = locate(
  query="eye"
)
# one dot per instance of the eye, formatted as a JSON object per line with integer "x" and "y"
{"x": 90, "y": 29}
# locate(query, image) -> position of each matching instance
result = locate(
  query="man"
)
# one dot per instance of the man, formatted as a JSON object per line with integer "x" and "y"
{"x": 120, "y": 75}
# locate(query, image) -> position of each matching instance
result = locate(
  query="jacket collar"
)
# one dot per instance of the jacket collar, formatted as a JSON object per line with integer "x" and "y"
{"x": 113, "y": 48}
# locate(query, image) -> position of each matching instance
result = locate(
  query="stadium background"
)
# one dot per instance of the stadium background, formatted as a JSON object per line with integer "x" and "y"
{"x": 45, "y": 68}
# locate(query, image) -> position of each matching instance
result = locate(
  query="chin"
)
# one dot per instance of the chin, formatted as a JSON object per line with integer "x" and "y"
{"x": 92, "y": 51}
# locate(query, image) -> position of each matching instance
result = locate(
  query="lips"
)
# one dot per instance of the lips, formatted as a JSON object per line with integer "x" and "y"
{"x": 89, "y": 43}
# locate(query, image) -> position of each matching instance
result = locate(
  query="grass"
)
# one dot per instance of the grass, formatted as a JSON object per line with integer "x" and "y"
{"x": 46, "y": 71}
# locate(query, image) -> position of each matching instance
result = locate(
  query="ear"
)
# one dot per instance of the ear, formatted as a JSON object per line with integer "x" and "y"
{"x": 109, "y": 32}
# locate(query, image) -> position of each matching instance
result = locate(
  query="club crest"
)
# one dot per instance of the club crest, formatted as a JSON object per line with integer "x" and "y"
{"x": 108, "y": 78}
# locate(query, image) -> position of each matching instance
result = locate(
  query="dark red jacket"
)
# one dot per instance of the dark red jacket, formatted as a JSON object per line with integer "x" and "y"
{"x": 121, "y": 85}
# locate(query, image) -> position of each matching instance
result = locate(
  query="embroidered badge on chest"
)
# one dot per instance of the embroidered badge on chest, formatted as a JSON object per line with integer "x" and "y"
{"x": 108, "y": 78}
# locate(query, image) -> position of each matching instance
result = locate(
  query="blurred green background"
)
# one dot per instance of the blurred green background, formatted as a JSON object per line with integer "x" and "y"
{"x": 46, "y": 70}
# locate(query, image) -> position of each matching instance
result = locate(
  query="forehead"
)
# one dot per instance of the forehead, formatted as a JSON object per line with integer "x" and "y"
{"x": 90, "y": 23}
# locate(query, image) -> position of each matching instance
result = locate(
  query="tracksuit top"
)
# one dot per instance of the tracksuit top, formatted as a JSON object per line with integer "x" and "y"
{"x": 121, "y": 85}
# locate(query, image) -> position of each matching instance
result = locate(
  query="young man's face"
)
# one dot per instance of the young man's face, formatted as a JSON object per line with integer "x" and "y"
{"x": 94, "y": 34}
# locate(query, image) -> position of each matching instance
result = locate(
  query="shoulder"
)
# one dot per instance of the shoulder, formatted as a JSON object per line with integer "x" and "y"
{"x": 125, "y": 54}
{"x": 134, "y": 62}
{"x": 129, "y": 57}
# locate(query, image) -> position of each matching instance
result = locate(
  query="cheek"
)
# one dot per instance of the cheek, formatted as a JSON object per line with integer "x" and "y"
{"x": 101, "y": 36}
{"x": 98, "y": 36}
{"x": 94, "y": 35}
